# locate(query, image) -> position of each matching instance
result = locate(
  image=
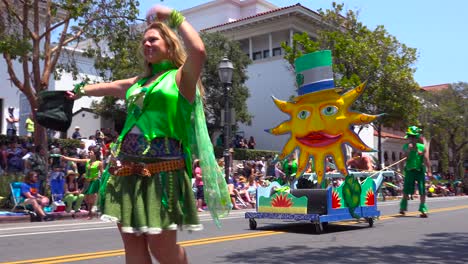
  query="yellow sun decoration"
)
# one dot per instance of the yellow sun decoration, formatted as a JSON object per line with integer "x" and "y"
{"x": 320, "y": 125}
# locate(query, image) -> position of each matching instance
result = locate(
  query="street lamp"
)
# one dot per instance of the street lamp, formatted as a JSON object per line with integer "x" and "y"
{"x": 225, "y": 69}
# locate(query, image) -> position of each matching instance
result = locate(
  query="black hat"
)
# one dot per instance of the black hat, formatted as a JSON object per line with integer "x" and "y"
{"x": 55, "y": 110}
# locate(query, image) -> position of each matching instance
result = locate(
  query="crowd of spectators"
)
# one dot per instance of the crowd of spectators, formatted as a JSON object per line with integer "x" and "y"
{"x": 44, "y": 164}
{"x": 238, "y": 141}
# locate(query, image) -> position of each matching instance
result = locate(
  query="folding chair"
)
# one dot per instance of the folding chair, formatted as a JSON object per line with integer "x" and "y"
{"x": 57, "y": 192}
{"x": 240, "y": 201}
{"x": 17, "y": 199}
{"x": 56, "y": 189}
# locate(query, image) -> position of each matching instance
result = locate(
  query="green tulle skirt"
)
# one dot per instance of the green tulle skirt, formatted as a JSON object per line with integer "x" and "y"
{"x": 91, "y": 187}
{"x": 164, "y": 201}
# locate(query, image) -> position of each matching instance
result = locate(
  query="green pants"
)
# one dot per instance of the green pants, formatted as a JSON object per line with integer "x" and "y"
{"x": 412, "y": 177}
{"x": 74, "y": 200}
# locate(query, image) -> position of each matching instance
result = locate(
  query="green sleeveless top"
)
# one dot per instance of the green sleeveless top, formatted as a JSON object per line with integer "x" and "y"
{"x": 289, "y": 169}
{"x": 159, "y": 110}
{"x": 415, "y": 161}
{"x": 92, "y": 170}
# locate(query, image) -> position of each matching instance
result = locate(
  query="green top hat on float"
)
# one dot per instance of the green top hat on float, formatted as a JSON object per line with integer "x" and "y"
{"x": 314, "y": 72}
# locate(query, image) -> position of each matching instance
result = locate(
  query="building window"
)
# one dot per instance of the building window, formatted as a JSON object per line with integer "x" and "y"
{"x": 257, "y": 55}
{"x": 266, "y": 53}
{"x": 276, "y": 52}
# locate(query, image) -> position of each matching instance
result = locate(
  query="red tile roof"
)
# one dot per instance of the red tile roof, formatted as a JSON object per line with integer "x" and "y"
{"x": 259, "y": 14}
{"x": 396, "y": 135}
{"x": 436, "y": 88}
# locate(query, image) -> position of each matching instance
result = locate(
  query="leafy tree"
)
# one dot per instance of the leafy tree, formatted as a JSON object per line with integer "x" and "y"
{"x": 125, "y": 64}
{"x": 217, "y": 47}
{"x": 445, "y": 120}
{"x": 29, "y": 30}
{"x": 361, "y": 54}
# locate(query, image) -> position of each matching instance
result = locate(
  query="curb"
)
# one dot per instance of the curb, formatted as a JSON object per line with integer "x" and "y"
{"x": 57, "y": 216}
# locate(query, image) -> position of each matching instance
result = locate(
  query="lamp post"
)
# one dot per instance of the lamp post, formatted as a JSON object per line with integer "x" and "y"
{"x": 225, "y": 69}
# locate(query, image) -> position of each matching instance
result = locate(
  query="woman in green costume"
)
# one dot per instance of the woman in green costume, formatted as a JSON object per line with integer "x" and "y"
{"x": 93, "y": 172}
{"x": 150, "y": 194}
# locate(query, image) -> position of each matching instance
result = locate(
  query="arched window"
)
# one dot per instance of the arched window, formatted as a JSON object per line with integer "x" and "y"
{"x": 393, "y": 156}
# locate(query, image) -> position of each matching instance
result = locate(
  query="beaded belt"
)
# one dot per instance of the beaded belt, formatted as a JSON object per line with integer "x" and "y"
{"x": 147, "y": 169}
{"x": 136, "y": 147}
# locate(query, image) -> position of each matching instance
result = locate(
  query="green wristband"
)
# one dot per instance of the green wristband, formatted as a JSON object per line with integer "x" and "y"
{"x": 175, "y": 19}
{"x": 79, "y": 89}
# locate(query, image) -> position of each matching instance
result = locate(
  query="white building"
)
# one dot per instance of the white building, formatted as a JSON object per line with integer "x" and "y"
{"x": 11, "y": 96}
{"x": 260, "y": 27}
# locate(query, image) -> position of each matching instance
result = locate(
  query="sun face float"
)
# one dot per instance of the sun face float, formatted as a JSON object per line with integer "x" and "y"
{"x": 321, "y": 122}
{"x": 321, "y": 119}
{"x": 319, "y": 126}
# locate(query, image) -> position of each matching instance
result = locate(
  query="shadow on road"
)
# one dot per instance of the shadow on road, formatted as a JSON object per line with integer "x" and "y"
{"x": 435, "y": 248}
{"x": 308, "y": 228}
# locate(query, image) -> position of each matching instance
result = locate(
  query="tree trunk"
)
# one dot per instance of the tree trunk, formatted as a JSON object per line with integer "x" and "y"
{"x": 40, "y": 136}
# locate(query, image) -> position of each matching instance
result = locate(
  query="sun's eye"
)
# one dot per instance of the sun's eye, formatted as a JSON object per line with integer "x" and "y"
{"x": 330, "y": 110}
{"x": 303, "y": 114}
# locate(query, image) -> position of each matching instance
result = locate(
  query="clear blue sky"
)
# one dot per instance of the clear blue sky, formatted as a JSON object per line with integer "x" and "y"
{"x": 437, "y": 29}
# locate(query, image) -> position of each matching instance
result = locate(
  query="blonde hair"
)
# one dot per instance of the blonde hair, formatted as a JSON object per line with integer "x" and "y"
{"x": 175, "y": 48}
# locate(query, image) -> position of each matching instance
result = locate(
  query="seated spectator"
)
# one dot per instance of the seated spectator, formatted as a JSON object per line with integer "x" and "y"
{"x": 242, "y": 188}
{"x": 73, "y": 196}
{"x": 29, "y": 191}
{"x": 252, "y": 185}
{"x": 233, "y": 193}
{"x": 360, "y": 162}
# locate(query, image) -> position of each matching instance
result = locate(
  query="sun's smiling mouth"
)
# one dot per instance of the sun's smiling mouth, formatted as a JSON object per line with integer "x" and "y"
{"x": 318, "y": 139}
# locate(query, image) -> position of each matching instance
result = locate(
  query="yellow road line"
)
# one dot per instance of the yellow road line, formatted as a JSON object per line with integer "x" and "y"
{"x": 251, "y": 235}
{"x": 203, "y": 241}
{"x": 101, "y": 254}
{"x": 65, "y": 257}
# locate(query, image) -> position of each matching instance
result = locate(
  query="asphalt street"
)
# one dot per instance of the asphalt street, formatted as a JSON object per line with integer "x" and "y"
{"x": 441, "y": 238}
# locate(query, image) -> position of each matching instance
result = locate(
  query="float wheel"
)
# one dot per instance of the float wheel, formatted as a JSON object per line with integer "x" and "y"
{"x": 252, "y": 224}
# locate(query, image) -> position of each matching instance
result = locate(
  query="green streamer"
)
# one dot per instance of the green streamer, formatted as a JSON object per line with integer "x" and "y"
{"x": 214, "y": 184}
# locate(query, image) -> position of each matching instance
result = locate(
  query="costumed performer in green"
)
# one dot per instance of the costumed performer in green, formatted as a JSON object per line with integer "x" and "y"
{"x": 150, "y": 194}
{"x": 417, "y": 159}
{"x": 94, "y": 169}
